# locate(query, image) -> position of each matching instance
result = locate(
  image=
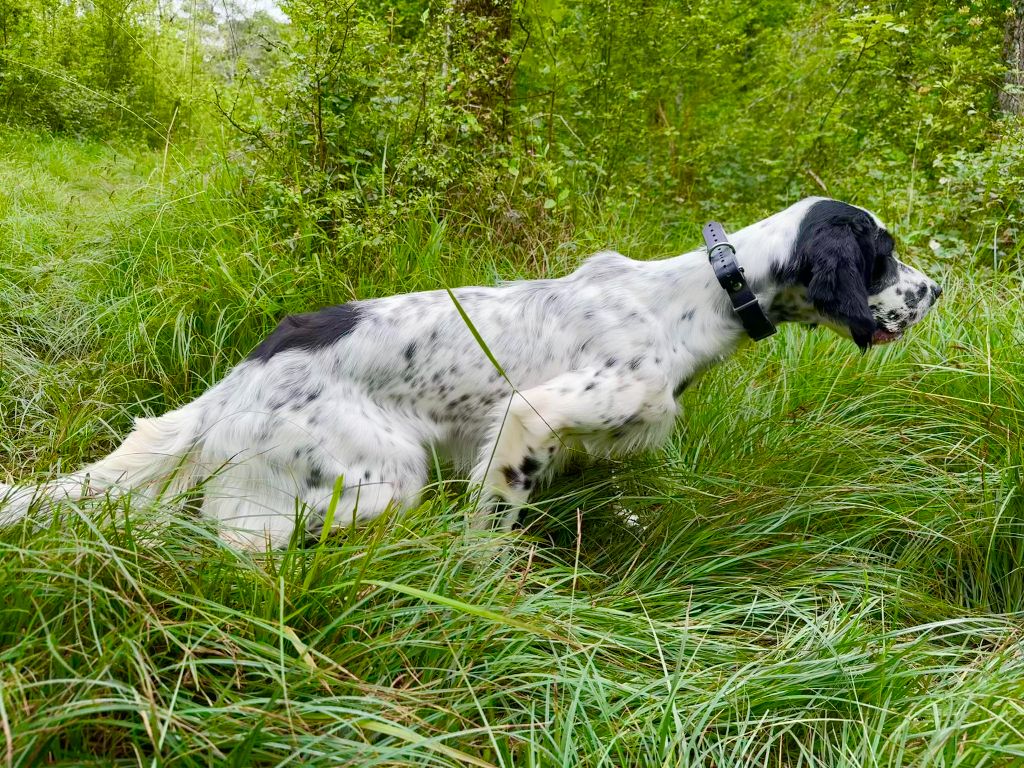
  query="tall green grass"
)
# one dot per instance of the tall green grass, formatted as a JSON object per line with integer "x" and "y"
{"x": 825, "y": 568}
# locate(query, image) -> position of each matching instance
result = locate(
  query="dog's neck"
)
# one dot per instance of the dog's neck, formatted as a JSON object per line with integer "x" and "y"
{"x": 696, "y": 311}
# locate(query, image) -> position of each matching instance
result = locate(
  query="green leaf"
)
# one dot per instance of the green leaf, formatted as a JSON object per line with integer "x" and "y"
{"x": 476, "y": 335}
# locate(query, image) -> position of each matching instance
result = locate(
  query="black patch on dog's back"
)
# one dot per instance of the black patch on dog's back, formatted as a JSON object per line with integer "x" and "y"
{"x": 309, "y": 331}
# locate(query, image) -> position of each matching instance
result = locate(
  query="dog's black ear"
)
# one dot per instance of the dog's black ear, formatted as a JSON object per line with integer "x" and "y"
{"x": 837, "y": 255}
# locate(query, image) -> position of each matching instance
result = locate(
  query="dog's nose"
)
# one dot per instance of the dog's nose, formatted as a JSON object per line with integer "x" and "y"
{"x": 936, "y": 291}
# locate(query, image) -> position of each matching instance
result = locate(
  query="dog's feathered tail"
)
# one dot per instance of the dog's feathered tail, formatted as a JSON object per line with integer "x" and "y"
{"x": 155, "y": 459}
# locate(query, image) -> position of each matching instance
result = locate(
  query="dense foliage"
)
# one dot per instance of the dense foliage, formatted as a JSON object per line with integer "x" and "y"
{"x": 827, "y": 565}
{"x": 520, "y": 114}
{"x": 524, "y": 113}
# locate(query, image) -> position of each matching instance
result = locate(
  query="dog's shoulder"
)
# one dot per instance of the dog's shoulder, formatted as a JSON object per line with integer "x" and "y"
{"x": 603, "y": 264}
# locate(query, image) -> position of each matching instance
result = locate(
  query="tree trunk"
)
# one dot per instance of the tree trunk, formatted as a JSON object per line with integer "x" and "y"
{"x": 487, "y": 31}
{"x": 1011, "y": 97}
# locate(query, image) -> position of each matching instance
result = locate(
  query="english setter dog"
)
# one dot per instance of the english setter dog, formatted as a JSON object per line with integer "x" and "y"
{"x": 344, "y": 406}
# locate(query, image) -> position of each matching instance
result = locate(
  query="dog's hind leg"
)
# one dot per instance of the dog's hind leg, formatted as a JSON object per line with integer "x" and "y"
{"x": 257, "y": 498}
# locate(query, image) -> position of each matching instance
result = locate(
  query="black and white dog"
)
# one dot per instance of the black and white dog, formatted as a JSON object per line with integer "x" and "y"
{"x": 352, "y": 399}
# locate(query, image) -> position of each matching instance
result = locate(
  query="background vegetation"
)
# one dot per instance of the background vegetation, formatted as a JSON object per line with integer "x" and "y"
{"x": 825, "y": 568}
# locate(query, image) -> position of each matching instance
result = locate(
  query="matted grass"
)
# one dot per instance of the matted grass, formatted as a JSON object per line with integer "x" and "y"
{"x": 827, "y": 569}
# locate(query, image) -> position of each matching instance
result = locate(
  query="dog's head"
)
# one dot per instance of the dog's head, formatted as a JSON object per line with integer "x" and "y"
{"x": 843, "y": 274}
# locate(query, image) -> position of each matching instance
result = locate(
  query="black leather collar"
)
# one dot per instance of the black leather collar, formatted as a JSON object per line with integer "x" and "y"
{"x": 722, "y": 256}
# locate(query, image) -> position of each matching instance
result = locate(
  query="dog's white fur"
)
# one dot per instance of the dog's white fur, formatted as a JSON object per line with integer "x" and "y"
{"x": 356, "y": 400}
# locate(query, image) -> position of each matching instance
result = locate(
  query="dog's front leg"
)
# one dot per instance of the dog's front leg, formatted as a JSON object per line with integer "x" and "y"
{"x": 581, "y": 403}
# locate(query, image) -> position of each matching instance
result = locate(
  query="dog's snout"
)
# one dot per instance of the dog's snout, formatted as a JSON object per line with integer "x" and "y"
{"x": 936, "y": 290}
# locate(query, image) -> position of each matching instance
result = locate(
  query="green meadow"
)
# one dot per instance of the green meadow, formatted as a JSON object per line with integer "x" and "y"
{"x": 823, "y": 568}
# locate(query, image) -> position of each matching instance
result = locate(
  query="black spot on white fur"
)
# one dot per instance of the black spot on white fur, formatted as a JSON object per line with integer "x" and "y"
{"x": 529, "y": 466}
{"x": 516, "y": 480}
{"x": 315, "y": 479}
{"x": 310, "y": 331}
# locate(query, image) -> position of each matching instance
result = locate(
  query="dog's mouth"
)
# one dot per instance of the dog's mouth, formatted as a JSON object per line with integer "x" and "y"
{"x": 882, "y": 336}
